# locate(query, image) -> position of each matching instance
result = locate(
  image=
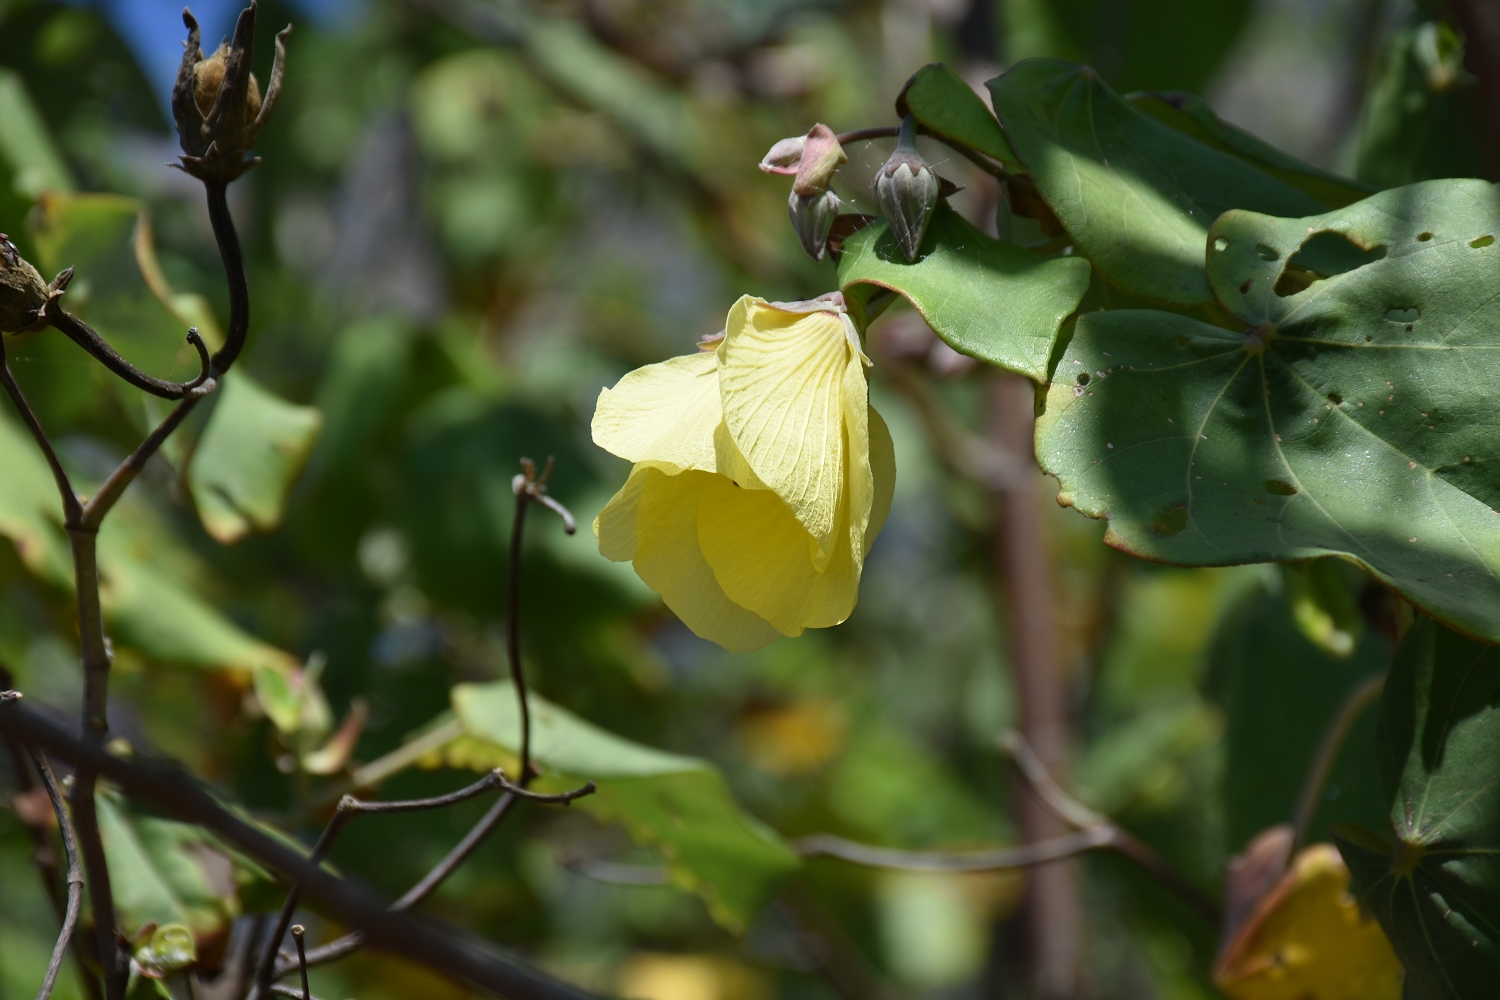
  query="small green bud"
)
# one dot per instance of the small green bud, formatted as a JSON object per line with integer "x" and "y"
{"x": 907, "y": 190}
{"x": 23, "y": 293}
{"x": 171, "y": 948}
{"x": 812, "y": 218}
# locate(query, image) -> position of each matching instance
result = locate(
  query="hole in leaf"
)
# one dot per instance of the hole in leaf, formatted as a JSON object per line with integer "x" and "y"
{"x": 1281, "y": 488}
{"x": 1266, "y": 253}
{"x": 1423, "y": 237}
{"x": 1221, "y": 244}
{"x": 1083, "y": 378}
{"x": 1483, "y": 242}
{"x": 1403, "y": 315}
{"x": 1335, "y": 399}
{"x": 1245, "y": 286}
{"x": 1324, "y": 255}
{"x": 1170, "y": 523}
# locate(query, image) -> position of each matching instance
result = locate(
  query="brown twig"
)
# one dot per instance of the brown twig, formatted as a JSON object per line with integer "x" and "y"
{"x": 74, "y": 874}
{"x": 298, "y": 933}
{"x": 1364, "y": 694}
{"x": 171, "y": 789}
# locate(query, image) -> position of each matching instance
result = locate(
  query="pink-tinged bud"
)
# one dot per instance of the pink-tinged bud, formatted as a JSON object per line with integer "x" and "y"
{"x": 821, "y": 157}
{"x": 784, "y": 157}
{"x": 812, "y": 218}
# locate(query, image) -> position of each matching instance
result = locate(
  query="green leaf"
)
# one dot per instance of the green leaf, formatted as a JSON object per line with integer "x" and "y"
{"x": 250, "y": 454}
{"x": 26, "y": 146}
{"x": 1279, "y": 691}
{"x": 947, "y": 107}
{"x": 1437, "y": 890}
{"x": 1136, "y": 196}
{"x": 30, "y": 506}
{"x": 1190, "y": 114}
{"x": 1328, "y": 427}
{"x": 165, "y": 872}
{"x": 1423, "y": 119}
{"x": 994, "y": 301}
{"x": 677, "y": 805}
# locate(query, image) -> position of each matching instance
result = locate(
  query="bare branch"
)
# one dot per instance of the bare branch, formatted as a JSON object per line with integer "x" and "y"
{"x": 74, "y": 876}
{"x": 87, "y": 338}
{"x": 168, "y": 787}
{"x": 72, "y": 508}
{"x": 298, "y": 933}
{"x": 1001, "y": 859}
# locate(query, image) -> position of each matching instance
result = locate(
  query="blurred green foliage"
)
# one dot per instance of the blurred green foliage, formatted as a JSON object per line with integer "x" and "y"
{"x": 468, "y": 220}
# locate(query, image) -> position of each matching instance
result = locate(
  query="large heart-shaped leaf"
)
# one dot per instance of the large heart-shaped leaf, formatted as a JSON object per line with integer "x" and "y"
{"x": 1436, "y": 889}
{"x": 1137, "y": 196}
{"x": 1191, "y": 114}
{"x": 250, "y": 454}
{"x": 679, "y": 806}
{"x": 1358, "y": 416}
{"x": 943, "y": 104}
{"x": 994, "y": 301}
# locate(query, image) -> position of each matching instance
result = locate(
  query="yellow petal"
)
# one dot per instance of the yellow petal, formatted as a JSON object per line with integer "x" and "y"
{"x": 782, "y": 378}
{"x": 1308, "y": 940}
{"x": 670, "y": 561}
{"x": 664, "y": 413}
{"x": 883, "y": 472}
{"x": 763, "y": 558}
{"x": 614, "y": 528}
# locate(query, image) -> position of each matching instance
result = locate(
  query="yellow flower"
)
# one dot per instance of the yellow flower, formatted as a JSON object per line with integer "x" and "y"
{"x": 761, "y": 474}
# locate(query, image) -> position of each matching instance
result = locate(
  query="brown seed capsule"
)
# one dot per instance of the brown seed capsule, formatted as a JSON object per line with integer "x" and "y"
{"x": 23, "y": 293}
{"x": 217, "y": 101}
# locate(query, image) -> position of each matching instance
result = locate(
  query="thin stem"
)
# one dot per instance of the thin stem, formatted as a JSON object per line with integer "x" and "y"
{"x": 1366, "y": 693}
{"x": 513, "y": 629}
{"x": 97, "y": 347}
{"x": 862, "y": 134}
{"x": 74, "y": 875}
{"x": 1000, "y": 859}
{"x": 234, "y": 274}
{"x": 298, "y": 933}
{"x": 119, "y": 480}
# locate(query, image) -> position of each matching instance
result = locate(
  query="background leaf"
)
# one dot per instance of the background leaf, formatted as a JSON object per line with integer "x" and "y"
{"x": 1136, "y": 196}
{"x": 1437, "y": 889}
{"x": 249, "y": 456}
{"x": 991, "y": 300}
{"x": 676, "y": 805}
{"x": 943, "y": 103}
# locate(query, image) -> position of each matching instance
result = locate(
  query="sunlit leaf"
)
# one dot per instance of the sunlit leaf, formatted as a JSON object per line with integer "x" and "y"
{"x": 25, "y": 144}
{"x": 30, "y": 507}
{"x": 1137, "y": 196}
{"x": 250, "y": 454}
{"x": 943, "y": 104}
{"x": 1435, "y": 884}
{"x": 1191, "y": 114}
{"x": 988, "y": 299}
{"x": 1308, "y": 939}
{"x": 676, "y": 805}
{"x": 1350, "y": 418}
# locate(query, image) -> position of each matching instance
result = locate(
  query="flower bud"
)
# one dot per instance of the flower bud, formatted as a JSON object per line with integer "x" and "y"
{"x": 907, "y": 190}
{"x": 217, "y": 102}
{"x": 23, "y": 293}
{"x": 784, "y": 157}
{"x": 821, "y": 156}
{"x": 812, "y": 218}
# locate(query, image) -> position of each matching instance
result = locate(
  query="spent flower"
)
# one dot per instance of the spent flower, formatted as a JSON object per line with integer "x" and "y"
{"x": 23, "y": 293}
{"x": 761, "y": 477}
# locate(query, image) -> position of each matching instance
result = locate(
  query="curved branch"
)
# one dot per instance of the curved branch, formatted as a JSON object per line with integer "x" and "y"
{"x": 1001, "y": 859}
{"x": 87, "y": 338}
{"x": 75, "y": 873}
{"x": 234, "y": 273}
{"x": 1354, "y": 705}
{"x": 169, "y": 787}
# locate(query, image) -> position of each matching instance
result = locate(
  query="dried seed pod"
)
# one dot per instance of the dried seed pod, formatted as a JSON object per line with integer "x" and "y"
{"x": 217, "y": 101}
{"x": 907, "y": 190}
{"x": 812, "y": 218}
{"x": 23, "y": 293}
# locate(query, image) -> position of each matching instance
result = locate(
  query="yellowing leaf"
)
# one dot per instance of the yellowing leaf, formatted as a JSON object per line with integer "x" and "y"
{"x": 251, "y": 453}
{"x": 1308, "y": 940}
